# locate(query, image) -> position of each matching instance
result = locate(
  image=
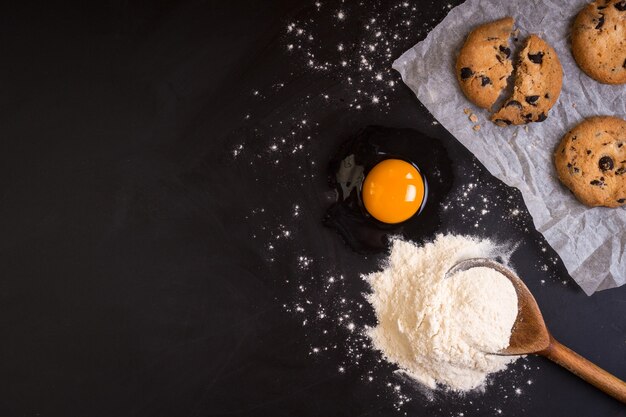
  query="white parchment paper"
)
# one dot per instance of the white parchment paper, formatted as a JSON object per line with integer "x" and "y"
{"x": 591, "y": 241}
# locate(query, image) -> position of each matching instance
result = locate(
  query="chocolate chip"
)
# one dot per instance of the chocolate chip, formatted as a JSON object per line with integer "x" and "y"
{"x": 532, "y": 100}
{"x": 466, "y": 73}
{"x": 601, "y": 7}
{"x": 600, "y": 21}
{"x": 597, "y": 183}
{"x": 620, "y": 171}
{"x": 573, "y": 169}
{"x": 588, "y": 152}
{"x": 541, "y": 117}
{"x": 574, "y": 138}
{"x": 621, "y": 5}
{"x": 619, "y": 145}
{"x": 503, "y": 122}
{"x": 536, "y": 58}
{"x": 485, "y": 80}
{"x": 621, "y": 200}
{"x": 547, "y": 96}
{"x": 514, "y": 103}
{"x": 528, "y": 116}
{"x": 506, "y": 51}
{"x": 624, "y": 64}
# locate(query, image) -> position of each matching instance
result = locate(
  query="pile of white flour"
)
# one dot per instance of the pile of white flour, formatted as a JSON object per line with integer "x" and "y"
{"x": 439, "y": 330}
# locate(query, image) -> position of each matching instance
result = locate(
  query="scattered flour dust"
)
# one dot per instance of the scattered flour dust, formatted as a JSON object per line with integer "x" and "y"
{"x": 438, "y": 330}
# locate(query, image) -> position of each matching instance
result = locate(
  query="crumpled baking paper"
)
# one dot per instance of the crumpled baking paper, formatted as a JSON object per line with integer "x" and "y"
{"x": 591, "y": 241}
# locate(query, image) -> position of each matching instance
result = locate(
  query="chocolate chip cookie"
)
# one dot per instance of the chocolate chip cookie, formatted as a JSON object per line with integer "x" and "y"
{"x": 484, "y": 62}
{"x": 591, "y": 161}
{"x": 538, "y": 80}
{"x": 599, "y": 41}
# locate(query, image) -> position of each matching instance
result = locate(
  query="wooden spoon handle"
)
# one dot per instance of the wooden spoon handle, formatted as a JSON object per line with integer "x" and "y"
{"x": 585, "y": 369}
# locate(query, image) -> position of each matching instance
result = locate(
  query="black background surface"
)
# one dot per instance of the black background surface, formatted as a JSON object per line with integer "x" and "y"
{"x": 133, "y": 278}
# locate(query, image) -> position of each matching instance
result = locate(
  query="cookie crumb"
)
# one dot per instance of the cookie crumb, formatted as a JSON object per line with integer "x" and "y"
{"x": 467, "y": 111}
{"x": 476, "y": 128}
{"x": 526, "y": 128}
{"x": 473, "y": 118}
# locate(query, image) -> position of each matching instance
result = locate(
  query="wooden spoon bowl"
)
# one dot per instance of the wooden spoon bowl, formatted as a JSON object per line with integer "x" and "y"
{"x": 530, "y": 334}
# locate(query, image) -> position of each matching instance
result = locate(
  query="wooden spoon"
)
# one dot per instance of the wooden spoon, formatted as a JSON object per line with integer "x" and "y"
{"x": 530, "y": 334}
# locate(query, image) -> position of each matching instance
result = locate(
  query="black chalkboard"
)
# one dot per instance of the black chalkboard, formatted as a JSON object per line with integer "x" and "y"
{"x": 151, "y": 250}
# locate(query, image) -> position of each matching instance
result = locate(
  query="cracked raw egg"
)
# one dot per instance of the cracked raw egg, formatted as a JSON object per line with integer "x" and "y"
{"x": 387, "y": 182}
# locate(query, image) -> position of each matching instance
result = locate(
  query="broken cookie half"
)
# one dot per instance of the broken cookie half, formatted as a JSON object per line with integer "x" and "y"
{"x": 537, "y": 80}
{"x": 484, "y": 63}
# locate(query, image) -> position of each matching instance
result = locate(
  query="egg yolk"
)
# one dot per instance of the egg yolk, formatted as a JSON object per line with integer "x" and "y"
{"x": 393, "y": 191}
